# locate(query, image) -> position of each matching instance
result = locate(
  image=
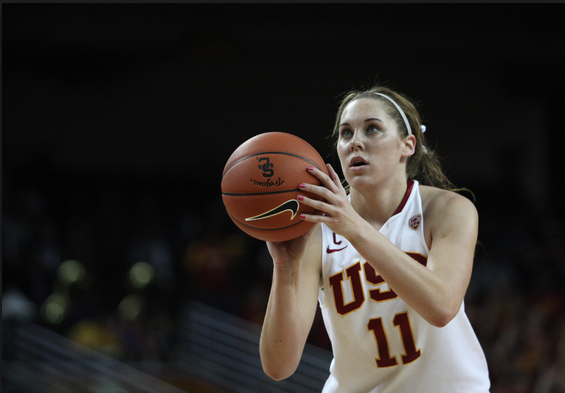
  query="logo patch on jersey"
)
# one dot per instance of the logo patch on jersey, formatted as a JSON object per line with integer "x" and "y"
{"x": 415, "y": 221}
{"x": 337, "y": 243}
{"x": 330, "y": 250}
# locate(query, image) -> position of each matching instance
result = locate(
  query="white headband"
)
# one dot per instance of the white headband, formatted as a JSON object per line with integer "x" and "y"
{"x": 399, "y": 110}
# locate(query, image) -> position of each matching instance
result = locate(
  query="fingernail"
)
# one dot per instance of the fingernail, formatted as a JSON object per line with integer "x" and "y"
{"x": 301, "y": 185}
{"x": 300, "y": 197}
{"x": 303, "y": 216}
{"x": 310, "y": 168}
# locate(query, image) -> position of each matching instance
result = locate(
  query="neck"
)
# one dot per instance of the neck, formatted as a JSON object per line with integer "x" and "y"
{"x": 380, "y": 203}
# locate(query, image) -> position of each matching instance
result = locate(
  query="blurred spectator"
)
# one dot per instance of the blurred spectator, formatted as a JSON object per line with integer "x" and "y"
{"x": 16, "y": 305}
{"x": 97, "y": 333}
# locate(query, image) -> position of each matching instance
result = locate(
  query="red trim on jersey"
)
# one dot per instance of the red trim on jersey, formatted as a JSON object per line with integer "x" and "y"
{"x": 406, "y": 196}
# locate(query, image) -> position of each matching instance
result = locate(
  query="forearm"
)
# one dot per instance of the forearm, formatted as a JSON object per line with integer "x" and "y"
{"x": 282, "y": 336}
{"x": 423, "y": 289}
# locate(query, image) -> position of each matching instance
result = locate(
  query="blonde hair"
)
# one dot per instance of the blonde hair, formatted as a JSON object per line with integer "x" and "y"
{"x": 424, "y": 165}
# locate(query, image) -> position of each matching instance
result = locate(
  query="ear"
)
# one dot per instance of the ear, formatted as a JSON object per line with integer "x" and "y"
{"x": 409, "y": 144}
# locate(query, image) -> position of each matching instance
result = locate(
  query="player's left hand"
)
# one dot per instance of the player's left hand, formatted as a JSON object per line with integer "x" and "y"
{"x": 338, "y": 215}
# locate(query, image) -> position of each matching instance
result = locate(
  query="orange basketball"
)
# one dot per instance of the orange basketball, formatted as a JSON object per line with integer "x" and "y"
{"x": 260, "y": 184}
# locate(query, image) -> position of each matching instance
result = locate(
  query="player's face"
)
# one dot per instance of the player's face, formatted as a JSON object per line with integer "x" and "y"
{"x": 369, "y": 147}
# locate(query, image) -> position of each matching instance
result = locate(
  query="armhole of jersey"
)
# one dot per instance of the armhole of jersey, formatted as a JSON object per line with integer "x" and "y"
{"x": 422, "y": 227}
{"x": 321, "y": 293}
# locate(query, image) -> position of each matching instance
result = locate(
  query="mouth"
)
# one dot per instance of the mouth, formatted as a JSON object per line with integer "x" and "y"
{"x": 357, "y": 162}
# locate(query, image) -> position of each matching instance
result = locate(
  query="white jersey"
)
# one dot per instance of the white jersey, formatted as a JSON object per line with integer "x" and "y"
{"x": 379, "y": 343}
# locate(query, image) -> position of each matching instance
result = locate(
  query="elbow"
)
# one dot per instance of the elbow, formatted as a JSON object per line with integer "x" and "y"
{"x": 439, "y": 321}
{"x": 441, "y": 318}
{"x": 277, "y": 376}
{"x": 277, "y": 373}
{"x": 278, "y": 368}
{"x": 279, "y": 360}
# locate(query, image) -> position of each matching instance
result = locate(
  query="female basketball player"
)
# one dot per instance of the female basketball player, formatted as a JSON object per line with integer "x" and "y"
{"x": 389, "y": 264}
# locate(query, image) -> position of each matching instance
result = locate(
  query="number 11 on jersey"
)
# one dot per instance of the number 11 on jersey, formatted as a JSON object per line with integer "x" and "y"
{"x": 402, "y": 322}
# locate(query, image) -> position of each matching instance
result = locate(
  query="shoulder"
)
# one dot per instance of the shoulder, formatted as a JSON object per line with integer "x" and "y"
{"x": 434, "y": 199}
{"x": 446, "y": 210}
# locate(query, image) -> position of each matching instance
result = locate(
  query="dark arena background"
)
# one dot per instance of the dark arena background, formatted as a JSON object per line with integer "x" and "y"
{"x": 122, "y": 271}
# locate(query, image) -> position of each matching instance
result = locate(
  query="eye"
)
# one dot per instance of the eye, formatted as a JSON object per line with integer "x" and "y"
{"x": 373, "y": 128}
{"x": 345, "y": 133}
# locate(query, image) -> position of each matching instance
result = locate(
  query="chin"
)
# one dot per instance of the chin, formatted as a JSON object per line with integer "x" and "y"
{"x": 359, "y": 183}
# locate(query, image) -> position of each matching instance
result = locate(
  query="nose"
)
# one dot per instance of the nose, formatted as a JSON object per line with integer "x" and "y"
{"x": 356, "y": 142}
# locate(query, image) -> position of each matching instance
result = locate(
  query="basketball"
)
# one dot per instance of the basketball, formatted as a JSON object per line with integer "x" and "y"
{"x": 260, "y": 185}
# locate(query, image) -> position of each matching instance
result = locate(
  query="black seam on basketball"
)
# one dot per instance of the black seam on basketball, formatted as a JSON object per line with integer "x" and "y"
{"x": 258, "y": 193}
{"x": 269, "y": 152}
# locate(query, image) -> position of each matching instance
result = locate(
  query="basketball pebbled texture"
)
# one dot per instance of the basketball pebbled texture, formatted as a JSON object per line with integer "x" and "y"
{"x": 260, "y": 185}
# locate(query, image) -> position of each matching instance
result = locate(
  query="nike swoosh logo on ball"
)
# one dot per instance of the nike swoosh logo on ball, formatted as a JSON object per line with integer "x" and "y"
{"x": 292, "y": 205}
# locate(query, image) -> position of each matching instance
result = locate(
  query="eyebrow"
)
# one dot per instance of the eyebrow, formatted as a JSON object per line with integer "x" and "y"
{"x": 366, "y": 121}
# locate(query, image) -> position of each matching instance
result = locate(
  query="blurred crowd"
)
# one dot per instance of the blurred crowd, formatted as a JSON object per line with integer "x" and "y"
{"x": 110, "y": 262}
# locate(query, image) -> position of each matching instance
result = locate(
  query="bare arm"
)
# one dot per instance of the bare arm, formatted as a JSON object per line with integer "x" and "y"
{"x": 292, "y": 303}
{"x": 435, "y": 291}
